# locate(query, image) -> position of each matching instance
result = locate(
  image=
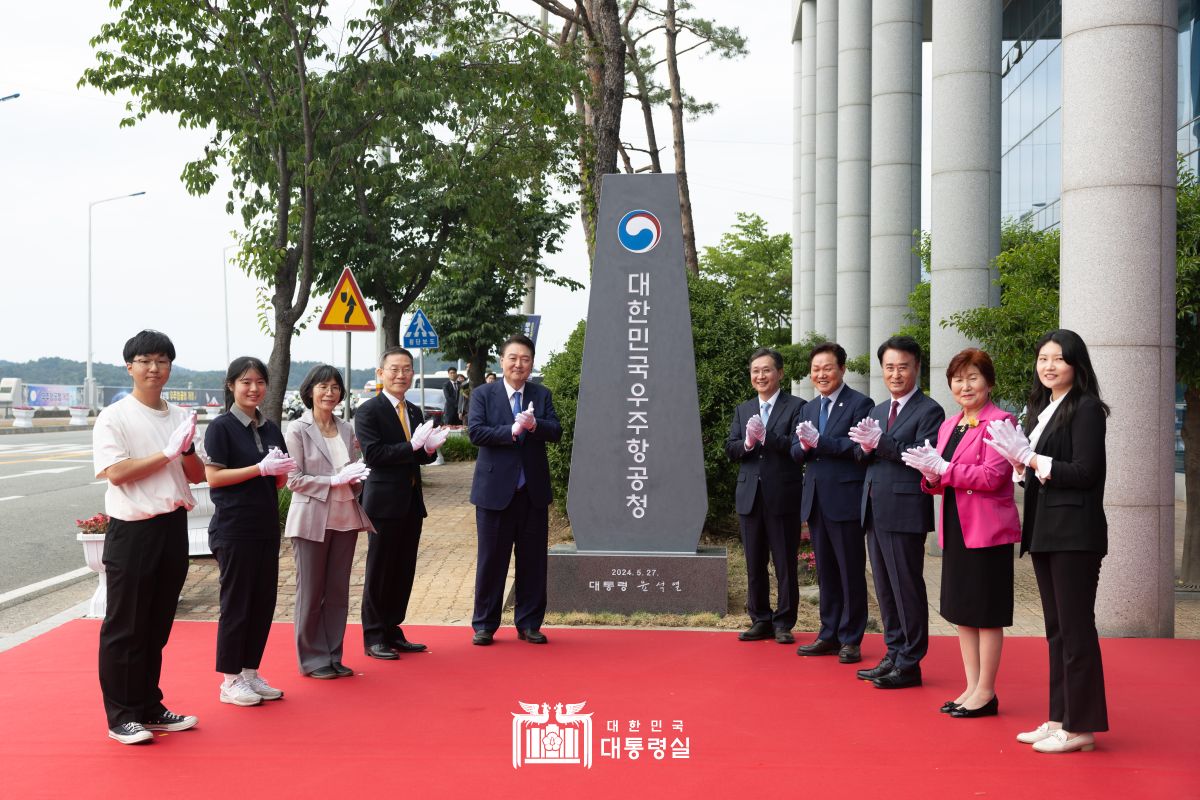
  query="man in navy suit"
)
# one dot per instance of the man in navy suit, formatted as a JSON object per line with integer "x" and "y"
{"x": 768, "y": 479}
{"x": 896, "y": 513}
{"x": 510, "y": 422}
{"x": 833, "y": 481}
{"x": 395, "y": 441}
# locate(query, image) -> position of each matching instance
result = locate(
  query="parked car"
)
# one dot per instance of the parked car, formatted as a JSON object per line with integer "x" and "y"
{"x": 434, "y": 406}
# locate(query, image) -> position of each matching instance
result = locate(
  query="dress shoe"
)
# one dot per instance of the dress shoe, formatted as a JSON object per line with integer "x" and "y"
{"x": 949, "y": 706}
{"x": 1060, "y": 742}
{"x": 784, "y": 637}
{"x": 756, "y": 632}
{"x": 323, "y": 673}
{"x": 342, "y": 670}
{"x": 532, "y": 636}
{"x": 407, "y": 647}
{"x": 1043, "y": 731}
{"x": 899, "y": 679}
{"x": 482, "y": 638}
{"x": 818, "y": 647}
{"x": 382, "y": 652}
{"x": 989, "y": 709}
{"x": 878, "y": 671}
{"x": 850, "y": 654}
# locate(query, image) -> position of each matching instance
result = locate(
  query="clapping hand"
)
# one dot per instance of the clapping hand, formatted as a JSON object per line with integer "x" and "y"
{"x": 1009, "y": 441}
{"x": 807, "y": 433}
{"x": 866, "y": 434}
{"x": 181, "y": 438}
{"x": 524, "y": 421}
{"x": 756, "y": 432}
{"x": 925, "y": 459}
{"x": 436, "y": 439}
{"x": 421, "y": 435}
{"x": 354, "y": 472}
{"x": 276, "y": 462}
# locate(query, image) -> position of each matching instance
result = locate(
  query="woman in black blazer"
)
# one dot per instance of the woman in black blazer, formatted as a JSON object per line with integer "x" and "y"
{"x": 1060, "y": 456}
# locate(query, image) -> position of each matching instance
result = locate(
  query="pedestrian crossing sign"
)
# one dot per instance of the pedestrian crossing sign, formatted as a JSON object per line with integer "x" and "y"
{"x": 346, "y": 309}
{"x": 420, "y": 332}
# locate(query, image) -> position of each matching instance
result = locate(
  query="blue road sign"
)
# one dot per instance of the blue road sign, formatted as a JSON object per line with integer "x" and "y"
{"x": 420, "y": 332}
{"x": 531, "y": 325}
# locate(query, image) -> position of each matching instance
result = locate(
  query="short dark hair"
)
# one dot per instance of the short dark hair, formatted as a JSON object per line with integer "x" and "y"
{"x": 146, "y": 343}
{"x": 394, "y": 351}
{"x": 775, "y": 355}
{"x": 239, "y": 367}
{"x": 905, "y": 344}
{"x": 321, "y": 373}
{"x": 972, "y": 357}
{"x": 838, "y": 351}
{"x": 517, "y": 338}
{"x": 452, "y": 369}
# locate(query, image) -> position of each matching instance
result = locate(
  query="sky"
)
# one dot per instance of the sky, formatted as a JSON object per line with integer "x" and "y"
{"x": 157, "y": 259}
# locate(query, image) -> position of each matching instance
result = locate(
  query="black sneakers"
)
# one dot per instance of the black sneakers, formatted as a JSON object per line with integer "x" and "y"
{"x": 130, "y": 733}
{"x": 166, "y": 721}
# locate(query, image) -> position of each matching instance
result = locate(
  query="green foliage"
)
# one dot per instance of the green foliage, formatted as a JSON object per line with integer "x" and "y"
{"x": 1187, "y": 278}
{"x": 561, "y": 375}
{"x": 755, "y": 270}
{"x": 459, "y": 448}
{"x": 918, "y": 317}
{"x": 285, "y": 502}
{"x": 796, "y": 356}
{"x": 1028, "y": 280}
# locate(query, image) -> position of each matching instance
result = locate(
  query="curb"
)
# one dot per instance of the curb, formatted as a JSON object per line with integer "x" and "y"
{"x": 26, "y": 593}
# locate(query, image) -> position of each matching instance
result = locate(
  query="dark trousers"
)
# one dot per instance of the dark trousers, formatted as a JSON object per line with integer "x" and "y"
{"x": 776, "y": 536}
{"x": 525, "y": 529}
{"x": 1067, "y": 583}
{"x": 249, "y": 582}
{"x": 391, "y": 567}
{"x": 145, "y": 565}
{"x": 897, "y": 561}
{"x": 841, "y": 556}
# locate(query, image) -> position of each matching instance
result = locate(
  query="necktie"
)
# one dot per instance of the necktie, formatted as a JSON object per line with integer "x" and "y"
{"x": 521, "y": 469}
{"x": 766, "y": 413}
{"x": 402, "y": 413}
{"x": 821, "y": 420}
{"x": 892, "y": 415}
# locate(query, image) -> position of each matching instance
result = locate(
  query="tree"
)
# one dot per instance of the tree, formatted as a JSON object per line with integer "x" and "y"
{"x": 1187, "y": 360}
{"x": 755, "y": 269}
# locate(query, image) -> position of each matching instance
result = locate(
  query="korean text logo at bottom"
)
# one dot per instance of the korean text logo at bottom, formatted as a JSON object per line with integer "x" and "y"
{"x": 565, "y": 737}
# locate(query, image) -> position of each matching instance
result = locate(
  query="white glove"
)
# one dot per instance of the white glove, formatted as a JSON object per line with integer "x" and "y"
{"x": 276, "y": 462}
{"x": 866, "y": 434}
{"x": 926, "y": 460}
{"x": 756, "y": 432}
{"x": 181, "y": 438}
{"x": 354, "y": 472}
{"x": 526, "y": 419}
{"x": 807, "y": 433}
{"x": 421, "y": 434}
{"x": 1010, "y": 441}
{"x": 436, "y": 439}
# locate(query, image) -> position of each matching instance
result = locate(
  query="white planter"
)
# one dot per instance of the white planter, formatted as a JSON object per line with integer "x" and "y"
{"x": 23, "y": 417}
{"x": 93, "y": 554}
{"x": 79, "y": 416}
{"x": 198, "y": 519}
{"x": 212, "y": 412}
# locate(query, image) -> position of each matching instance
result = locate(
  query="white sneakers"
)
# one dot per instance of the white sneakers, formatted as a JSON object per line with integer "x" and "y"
{"x": 248, "y": 689}
{"x": 1059, "y": 742}
{"x": 260, "y": 687}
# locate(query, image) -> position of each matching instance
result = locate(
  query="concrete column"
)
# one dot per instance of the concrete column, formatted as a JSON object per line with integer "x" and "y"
{"x": 853, "y": 256}
{"x": 825, "y": 215}
{"x": 804, "y": 216}
{"x": 965, "y": 172}
{"x": 1118, "y": 283}
{"x": 895, "y": 168}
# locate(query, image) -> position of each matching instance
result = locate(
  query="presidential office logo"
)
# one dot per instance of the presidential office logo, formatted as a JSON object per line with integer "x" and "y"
{"x": 564, "y": 739}
{"x": 639, "y": 231}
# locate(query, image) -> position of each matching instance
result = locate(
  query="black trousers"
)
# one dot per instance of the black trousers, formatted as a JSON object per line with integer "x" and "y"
{"x": 897, "y": 560}
{"x": 841, "y": 554}
{"x": 778, "y": 537}
{"x": 249, "y": 583}
{"x": 1067, "y": 582}
{"x": 145, "y": 565}
{"x": 391, "y": 567}
{"x": 525, "y": 529}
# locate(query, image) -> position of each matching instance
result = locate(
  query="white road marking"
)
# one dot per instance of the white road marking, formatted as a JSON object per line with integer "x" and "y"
{"x": 54, "y": 471}
{"x": 11, "y": 497}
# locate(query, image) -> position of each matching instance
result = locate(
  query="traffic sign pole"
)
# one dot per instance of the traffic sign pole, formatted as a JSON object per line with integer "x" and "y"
{"x": 349, "y": 384}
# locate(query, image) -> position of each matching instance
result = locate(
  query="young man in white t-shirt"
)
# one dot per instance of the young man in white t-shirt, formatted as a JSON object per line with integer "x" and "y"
{"x": 143, "y": 447}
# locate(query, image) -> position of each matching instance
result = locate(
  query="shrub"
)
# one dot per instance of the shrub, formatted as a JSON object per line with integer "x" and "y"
{"x": 561, "y": 376}
{"x": 459, "y": 448}
{"x": 285, "y": 502}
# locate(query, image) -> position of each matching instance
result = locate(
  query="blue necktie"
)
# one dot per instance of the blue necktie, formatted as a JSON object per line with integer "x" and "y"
{"x": 821, "y": 420}
{"x": 766, "y": 413}
{"x": 520, "y": 469}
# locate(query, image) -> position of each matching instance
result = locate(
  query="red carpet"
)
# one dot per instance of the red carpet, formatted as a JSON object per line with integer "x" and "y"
{"x": 757, "y": 717}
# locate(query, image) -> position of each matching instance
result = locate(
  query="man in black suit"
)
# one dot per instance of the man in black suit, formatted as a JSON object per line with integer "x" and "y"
{"x": 768, "y": 479}
{"x": 450, "y": 395}
{"x": 510, "y": 422}
{"x": 833, "y": 480}
{"x": 896, "y": 513}
{"x": 396, "y": 440}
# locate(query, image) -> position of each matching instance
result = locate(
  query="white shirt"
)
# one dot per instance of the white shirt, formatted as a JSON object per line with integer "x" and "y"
{"x": 903, "y": 401}
{"x": 398, "y": 403}
{"x": 129, "y": 429}
{"x": 773, "y": 400}
{"x": 1044, "y": 463}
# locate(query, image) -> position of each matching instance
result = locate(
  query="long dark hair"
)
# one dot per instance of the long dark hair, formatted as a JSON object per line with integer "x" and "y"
{"x": 1075, "y": 353}
{"x": 237, "y": 368}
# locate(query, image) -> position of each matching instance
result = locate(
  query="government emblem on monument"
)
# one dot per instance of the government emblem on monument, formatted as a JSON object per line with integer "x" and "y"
{"x": 565, "y": 740}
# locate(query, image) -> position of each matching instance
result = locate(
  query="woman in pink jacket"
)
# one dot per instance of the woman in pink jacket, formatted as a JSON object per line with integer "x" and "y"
{"x": 977, "y": 530}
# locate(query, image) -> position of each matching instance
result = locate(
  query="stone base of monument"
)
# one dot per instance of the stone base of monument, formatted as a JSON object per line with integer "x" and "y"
{"x": 625, "y": 582}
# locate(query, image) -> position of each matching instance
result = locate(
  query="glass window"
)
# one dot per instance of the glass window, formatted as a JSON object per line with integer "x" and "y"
{"x": 1054, "y": 78}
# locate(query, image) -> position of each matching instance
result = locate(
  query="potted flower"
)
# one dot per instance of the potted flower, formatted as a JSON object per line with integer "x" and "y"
{"x": 79, "y": 415}
{"x": 91, "y": 536}
{"x": 23, "y": 416}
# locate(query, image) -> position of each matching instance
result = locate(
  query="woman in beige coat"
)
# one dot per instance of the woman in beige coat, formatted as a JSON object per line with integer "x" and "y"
{"x": 323, "y": 522}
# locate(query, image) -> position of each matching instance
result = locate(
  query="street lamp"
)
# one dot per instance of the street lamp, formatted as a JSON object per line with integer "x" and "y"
{"x": 89, "y": 383}
{"x": 225, "y": 283}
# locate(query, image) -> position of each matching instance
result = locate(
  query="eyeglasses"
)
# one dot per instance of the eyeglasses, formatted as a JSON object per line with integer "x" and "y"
{"x": 399, "y": 371}
{"x": 147, "y": 363}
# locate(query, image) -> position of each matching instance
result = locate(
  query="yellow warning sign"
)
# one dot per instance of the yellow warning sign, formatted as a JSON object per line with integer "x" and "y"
{"x": 346, "y": 309}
